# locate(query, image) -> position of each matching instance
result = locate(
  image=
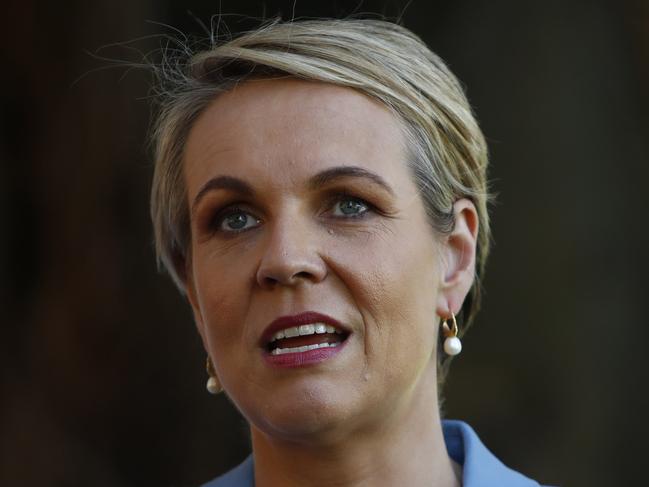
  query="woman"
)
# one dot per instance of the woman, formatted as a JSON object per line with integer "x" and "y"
{"x": 320, "y": 196}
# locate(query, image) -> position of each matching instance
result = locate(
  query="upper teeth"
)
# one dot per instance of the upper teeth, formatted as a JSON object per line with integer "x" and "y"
{"x": 303, "y": 330}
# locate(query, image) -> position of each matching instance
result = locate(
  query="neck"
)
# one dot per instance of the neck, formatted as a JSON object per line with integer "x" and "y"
{"x": 405, "y": 448}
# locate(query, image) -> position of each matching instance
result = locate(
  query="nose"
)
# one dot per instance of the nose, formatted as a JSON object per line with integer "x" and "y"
{"x": 291, "y": 256}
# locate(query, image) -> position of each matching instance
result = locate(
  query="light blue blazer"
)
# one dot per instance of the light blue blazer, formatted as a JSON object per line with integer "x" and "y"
{"x": 480, "y": 468}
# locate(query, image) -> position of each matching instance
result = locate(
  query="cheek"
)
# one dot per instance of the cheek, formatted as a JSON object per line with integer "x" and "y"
{"x": 394, "y": 283}
{"x": 223, "y": 293}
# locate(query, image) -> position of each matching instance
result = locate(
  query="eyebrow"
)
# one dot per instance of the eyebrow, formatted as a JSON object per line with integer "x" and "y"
{"x": 227, "y": 183}
{"x": 328, "y": 176}
{"x": 334, "y": 174}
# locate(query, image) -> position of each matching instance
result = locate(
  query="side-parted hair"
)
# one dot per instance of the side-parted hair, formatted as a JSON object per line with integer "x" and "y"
{"x": 446, "y": 149}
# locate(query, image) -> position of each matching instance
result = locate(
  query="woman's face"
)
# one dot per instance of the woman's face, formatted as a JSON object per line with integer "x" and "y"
{"x": 301, "y": 202}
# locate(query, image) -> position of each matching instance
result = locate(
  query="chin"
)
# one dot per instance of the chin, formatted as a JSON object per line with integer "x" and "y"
{"x": 307, "y": 414}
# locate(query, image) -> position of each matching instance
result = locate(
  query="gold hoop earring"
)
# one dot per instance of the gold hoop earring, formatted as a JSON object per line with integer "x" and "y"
{"x": 452, "y": 344}
{"x": 213, "y": 384}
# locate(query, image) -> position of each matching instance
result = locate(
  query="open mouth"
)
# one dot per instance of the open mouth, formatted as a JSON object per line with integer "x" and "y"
{"x": 312, "y": 336}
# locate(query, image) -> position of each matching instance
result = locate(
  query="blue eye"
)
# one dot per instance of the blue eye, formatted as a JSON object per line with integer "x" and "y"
{"x": 350, "y": 207}
{"x": 237, "y": 221}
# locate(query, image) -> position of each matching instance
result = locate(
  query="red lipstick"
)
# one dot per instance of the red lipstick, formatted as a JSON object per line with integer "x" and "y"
{"x": 306, "y": 357}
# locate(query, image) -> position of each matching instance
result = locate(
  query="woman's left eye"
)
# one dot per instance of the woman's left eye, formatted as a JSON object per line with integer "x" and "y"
{"x": 350, "y": 207}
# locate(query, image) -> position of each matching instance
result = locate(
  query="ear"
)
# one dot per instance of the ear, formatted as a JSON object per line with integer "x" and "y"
{"x": 196, "y": 309}
{"x": 458, "y": 258}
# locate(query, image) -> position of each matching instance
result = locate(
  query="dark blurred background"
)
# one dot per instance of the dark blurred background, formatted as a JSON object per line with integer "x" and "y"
{"x": 102, "y": 380}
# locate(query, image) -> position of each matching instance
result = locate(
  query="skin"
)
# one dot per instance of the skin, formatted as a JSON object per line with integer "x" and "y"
{"x": 368, "y": 416}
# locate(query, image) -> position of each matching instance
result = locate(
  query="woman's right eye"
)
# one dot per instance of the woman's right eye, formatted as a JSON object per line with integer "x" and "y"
{"x": 236, "y": 221}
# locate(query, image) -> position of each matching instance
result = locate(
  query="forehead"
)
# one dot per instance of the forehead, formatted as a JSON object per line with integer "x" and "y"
{"x": 286, "y": 130}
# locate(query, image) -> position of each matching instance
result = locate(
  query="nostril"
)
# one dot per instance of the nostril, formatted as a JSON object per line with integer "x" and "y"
{"x": 268, "y": 281}
{"x": 293, "y": 279}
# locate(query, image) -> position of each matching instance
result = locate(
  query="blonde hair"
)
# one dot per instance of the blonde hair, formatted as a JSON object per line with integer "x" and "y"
{"x": 447, "y": 151}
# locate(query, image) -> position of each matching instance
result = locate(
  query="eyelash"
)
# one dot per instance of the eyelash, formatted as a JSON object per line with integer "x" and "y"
{"x": 222, "y": 215}
{"x": 235, "y": 209}
{"x": 339, "y": 197}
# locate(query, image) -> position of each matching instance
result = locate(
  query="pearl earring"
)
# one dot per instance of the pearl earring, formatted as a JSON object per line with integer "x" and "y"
{"x": 452, "y": 344}
{"x": 213, "y": 384}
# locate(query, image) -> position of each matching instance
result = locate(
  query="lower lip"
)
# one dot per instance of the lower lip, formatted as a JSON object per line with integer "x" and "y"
{"x": 303, "y": 359}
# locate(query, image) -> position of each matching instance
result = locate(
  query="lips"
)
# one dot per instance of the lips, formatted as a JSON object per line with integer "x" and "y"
{"x": 303, "y": 339}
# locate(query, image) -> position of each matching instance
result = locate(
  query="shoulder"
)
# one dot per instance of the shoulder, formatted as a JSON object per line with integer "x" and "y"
{"x": 240, "y": 476}
{"x": 480, "y": 467}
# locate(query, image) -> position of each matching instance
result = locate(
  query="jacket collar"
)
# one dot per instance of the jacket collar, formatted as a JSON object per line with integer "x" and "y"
{"x": 480, "y": 467}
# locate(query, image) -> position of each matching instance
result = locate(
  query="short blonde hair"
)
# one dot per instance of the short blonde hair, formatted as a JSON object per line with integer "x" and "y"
{"x": 447, "y": 151}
